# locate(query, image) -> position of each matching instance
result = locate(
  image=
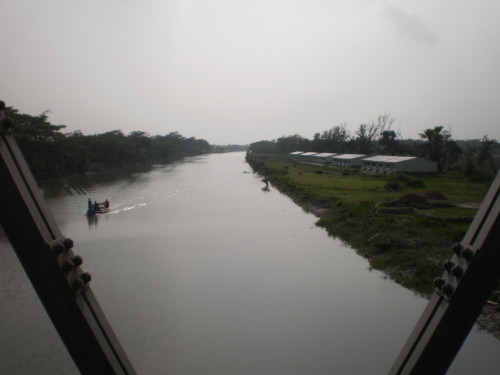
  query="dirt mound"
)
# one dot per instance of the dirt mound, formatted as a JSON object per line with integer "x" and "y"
{"x": 432, "y": 194}
{"x": 412, "y": 200}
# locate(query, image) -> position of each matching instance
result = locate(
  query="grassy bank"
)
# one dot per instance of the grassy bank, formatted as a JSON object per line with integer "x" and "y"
{"x": 404, "y": 225}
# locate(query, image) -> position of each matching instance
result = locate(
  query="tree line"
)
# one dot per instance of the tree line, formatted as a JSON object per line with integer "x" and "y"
{"x": 472, "y": 156}
{"x": 51, "y": 153}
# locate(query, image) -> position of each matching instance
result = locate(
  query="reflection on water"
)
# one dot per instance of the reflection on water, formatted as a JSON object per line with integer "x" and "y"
{"x": 266, "y": 188}
{"x": 202, "y": 270}
{"x": 92, "y": 220}
{"x": 93, "y": 184}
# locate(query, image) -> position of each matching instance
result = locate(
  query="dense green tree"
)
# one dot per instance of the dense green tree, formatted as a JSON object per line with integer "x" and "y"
{"x": 140, "y": 146}
{"x": 434, "y": 147}
{"x": 228, "y": 148}
{"x": 453, "y": 152}
{"x": 388, "y": 142}
{"x": 469, "y": 165}
{"x": 263, "y": 147}
{"x": 365, "y": 135}
{"x": 292, "y": 143}
{"x": 485, "y": 153}
{"x": 318, "y": 144}
{"x": 39, "y": 140}
{"x": 336, "y": 138}
{"x": 51, "y": 153}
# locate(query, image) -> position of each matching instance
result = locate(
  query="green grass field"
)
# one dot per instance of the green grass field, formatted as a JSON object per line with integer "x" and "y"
{"x": 409, "y": 246}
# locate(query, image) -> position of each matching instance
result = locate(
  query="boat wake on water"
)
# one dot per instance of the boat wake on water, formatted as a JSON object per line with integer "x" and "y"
{"x": 127, "y": 208}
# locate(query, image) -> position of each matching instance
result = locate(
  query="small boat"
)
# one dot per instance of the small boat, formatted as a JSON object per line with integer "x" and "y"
{"x": 101, "y": 209}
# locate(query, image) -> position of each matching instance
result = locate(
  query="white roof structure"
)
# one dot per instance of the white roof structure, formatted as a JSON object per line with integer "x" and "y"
{"x": 389, "y": 158}
{"x": 308, "y": 154}
{"x": 349, "y": 156}
{"x": 296, "y": 153}
{"x": 324, "y": 155}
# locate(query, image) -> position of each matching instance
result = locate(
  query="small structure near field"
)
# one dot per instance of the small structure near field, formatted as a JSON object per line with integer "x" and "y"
{"x": 323, "y": 158}
{"x": 398, "y": 164}
{"x": 295, "y": 154}
{"x": 348, "y": 160}
{"x": 306, "y": 156}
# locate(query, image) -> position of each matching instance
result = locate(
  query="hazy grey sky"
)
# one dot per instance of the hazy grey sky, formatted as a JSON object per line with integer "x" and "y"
{"x": 238, "y": 71}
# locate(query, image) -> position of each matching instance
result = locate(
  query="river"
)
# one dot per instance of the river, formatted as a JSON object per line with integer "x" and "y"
{"x": 202, "y": 270}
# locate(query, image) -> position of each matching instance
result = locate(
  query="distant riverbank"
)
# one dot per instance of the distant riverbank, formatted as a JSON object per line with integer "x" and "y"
{"x": 405, "y": 225}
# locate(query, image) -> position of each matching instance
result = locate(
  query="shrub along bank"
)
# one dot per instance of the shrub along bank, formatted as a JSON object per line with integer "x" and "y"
{"x": 404, "y": 225}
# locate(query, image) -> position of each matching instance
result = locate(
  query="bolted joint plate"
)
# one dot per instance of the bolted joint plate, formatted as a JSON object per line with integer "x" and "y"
{"x": 454, "y": 270}
{"x": 62, "y": 248}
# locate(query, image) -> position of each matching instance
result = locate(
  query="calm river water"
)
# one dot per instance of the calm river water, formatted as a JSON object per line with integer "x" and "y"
{"x": 202, "y": 271}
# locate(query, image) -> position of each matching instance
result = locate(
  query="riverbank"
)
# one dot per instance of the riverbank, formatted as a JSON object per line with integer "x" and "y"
{"x": 404, "y": 225}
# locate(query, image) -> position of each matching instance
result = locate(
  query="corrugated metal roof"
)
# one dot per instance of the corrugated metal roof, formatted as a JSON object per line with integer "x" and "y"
{"x": 349, "y": 156}
{"x": 324, "y": 155}
{"x": 389, "y": 158}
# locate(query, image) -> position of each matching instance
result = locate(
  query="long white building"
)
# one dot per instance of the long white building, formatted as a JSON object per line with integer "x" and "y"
{"x": 398, "y": 164}
{"x": 323, "y": 158}
{"x": 306, "y": 156}
{"x": 347, "y": 160}
{"x": 295, "y": 154}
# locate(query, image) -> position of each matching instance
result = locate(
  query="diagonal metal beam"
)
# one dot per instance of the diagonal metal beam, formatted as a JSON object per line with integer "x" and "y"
{"x": 461, "y": 293}
{"x": 53, "y": 269}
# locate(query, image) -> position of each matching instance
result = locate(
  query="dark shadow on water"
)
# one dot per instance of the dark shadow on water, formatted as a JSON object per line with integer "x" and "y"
{"x": 85, "y": 184}
{"x": 92, "y": 220}
{"x": 266, "y": 181}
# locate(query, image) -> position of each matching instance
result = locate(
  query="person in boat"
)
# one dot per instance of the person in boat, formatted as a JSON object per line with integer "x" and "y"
{"x": 106, "y": 203}
{"x": 90, "y": 205}
{"x": 96, "y": 206}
